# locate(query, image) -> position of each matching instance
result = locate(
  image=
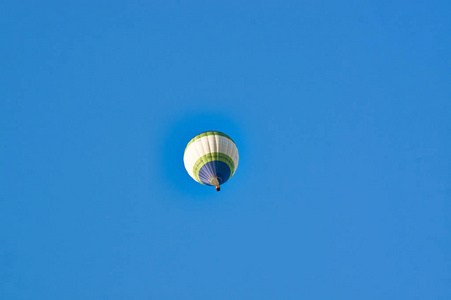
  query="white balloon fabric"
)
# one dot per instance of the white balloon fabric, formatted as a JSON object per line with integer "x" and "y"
{"x": 211, "y": 158}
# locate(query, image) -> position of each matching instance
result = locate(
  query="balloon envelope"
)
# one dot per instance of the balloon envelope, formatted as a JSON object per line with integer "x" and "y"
{"x": 211, "y": 158}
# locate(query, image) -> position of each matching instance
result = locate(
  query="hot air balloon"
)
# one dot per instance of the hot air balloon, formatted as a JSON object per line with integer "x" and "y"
{"x": 211, "y": 158}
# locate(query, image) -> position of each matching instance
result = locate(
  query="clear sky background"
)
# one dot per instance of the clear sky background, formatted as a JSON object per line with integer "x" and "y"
{"x": 341, "y": 112}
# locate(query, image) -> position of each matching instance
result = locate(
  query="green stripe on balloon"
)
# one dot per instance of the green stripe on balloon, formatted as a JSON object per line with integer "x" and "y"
{"x": 207, "y": 133}
{"x": 214, "y": 156}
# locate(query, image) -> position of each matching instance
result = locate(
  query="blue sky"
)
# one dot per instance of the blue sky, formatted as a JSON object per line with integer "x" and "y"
{"x": 340, "y": 110}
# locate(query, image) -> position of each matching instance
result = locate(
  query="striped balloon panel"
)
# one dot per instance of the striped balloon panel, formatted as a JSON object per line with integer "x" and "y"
{"x": 211, "y": 158}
